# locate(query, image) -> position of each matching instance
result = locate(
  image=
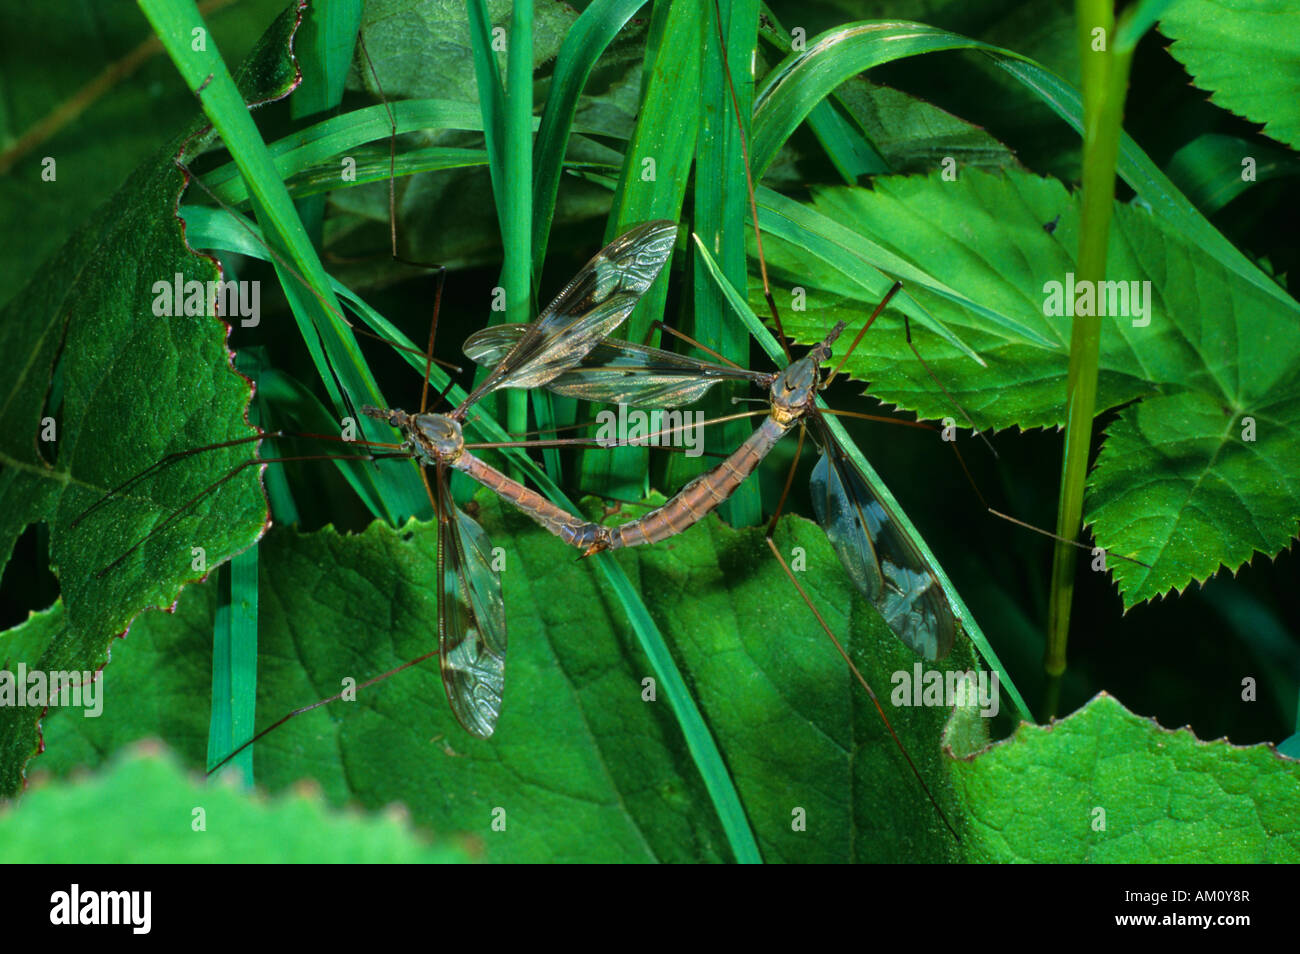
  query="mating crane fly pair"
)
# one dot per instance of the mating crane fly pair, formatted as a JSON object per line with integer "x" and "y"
{"x": 568, "y": 351}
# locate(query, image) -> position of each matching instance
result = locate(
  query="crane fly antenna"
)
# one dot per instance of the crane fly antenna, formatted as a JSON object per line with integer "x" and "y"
{"x": 433, "y": 331}
{"x": 392, "y": 146}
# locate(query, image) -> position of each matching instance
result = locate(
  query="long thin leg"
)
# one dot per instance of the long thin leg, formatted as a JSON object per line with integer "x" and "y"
{"x": 907, "y": 329}
{"x": 392, "y": 146}
{"x": 339, "y": 695}
{"x": 970, "y": 479}
{"x": 862, "y": 682}
{"x": 695, "y": 344}
{"x": 593, "y": 442}
{"x": 323, "y": 702}
{"x": 172, "y": 458}
{"x": 392, "y": 160}
{"x": 863, "y": 330}
{"x": 433, "y": 331}
{"x": 749, "y": 179}
{"x": 234, "y": 471}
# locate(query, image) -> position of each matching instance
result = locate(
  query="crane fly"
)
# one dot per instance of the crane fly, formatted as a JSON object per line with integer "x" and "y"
{"x": 884, "y": 564}
{"x": 471, "y": 615}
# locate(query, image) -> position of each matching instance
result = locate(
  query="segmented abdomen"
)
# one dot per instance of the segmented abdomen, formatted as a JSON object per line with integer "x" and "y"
{"x": 572, "y": 530}
{"x": 703, "y": 494}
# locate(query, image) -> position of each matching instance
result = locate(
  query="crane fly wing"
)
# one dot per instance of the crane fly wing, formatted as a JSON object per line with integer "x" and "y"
{"x": 586, "y": 310}
{"x": 880, "y": 558}
{"x": 617, "y": 372}
{"x": 471, "y": 619}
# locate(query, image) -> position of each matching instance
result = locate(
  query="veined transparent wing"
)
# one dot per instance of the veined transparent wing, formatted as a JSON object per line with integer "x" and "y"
{"x": 586, "y": 310}
{"x": 471, "y": 619}
{"x": 618, "y": 372}
{"x": 880, "y": 558}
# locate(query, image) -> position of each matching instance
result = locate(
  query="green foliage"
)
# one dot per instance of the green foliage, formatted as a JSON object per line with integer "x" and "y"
{"x": 585, "y": 765}
{"x": 1247, "y": 54}
{"x": 766, "y": 719}
{"x": 133, "y": 388}
{"x": 1197, "y": 473}
{"x": 143, "y": 808}
{"x": 1108, "y": 786}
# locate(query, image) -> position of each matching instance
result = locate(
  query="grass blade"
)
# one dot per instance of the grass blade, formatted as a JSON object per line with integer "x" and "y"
{"x": 338, "y": 359}
{"x": 770, "y": 345}
{"x": 234, "y": 663}
{"x": 721, "y": 199}
{"x": 583, "y": 46}
{"x": 652, "y": 185}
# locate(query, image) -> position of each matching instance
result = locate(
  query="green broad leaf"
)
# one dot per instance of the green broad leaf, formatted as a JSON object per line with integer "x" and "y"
{"x": 1192, "y": 485}
{"x": 1246, "y": 53}
{"x": 142, "y": 807}
{"x": 1106, "y": 785}
{"x": 915, "y": 136}
{"x": 587, "y": 762}
{"x": 102, "y": 378}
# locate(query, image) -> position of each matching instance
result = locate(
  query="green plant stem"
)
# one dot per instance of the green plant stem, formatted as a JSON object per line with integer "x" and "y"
{"x": 1105, "y": 82}
{"x": 517, "y": 216}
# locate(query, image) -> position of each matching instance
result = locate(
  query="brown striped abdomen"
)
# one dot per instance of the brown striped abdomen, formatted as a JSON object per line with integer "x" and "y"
{"x": 703, "y": 494}
{"x": 573, "y": 530}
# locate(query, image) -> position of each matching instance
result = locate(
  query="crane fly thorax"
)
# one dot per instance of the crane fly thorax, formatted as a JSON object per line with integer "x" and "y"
{"x": 433, "y": 438}
{"x": 794, "y": 389}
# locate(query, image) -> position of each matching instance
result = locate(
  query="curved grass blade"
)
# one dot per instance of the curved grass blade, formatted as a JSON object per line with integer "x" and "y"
{"x": 583, "y": 46}
{"x": 841, "y": 436}
{"x": 804, "y": 79}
